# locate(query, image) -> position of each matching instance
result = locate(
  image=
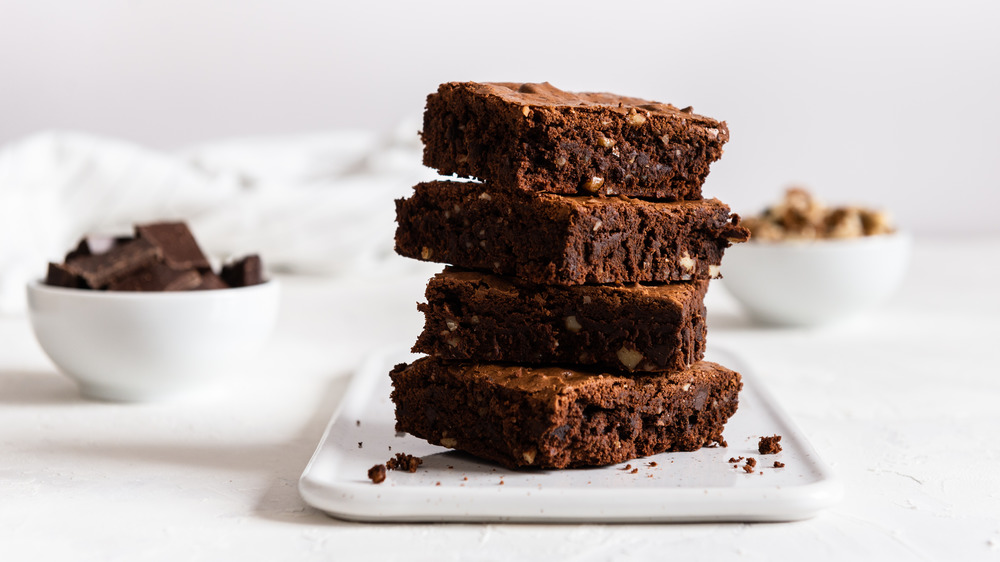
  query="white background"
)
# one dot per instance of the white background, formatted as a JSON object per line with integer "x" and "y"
{"x": 892, "y": 104}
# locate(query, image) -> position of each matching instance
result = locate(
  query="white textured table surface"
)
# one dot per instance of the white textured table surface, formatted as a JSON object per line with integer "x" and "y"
{"x": 904, "y": 403}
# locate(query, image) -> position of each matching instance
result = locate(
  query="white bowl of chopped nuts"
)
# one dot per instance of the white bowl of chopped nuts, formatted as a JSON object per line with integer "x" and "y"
{"x": 807, "y": 265}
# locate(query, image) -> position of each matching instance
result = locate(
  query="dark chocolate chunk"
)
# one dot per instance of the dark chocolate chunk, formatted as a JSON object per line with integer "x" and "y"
{"x": 99, "y": 270}
{"x": 158, "y": 277}
{"x": 163, "y": 257}
{"x": 176, "y": 243}
{"x": 210, "y": 281}
{"x": 82, "y": 250}
{"x": 243, "y": 273}
{"x": 60, "y": 276}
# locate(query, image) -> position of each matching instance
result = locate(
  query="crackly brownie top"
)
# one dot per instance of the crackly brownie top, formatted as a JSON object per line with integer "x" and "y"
{"x": 677, "y": 292}
{"x": 549, "y": 382}
{"x": 547, "y": 95}
{"x": 579, "y": 203}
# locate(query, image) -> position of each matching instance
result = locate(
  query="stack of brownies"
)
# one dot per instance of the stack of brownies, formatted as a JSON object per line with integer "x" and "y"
{"x": 569, "y": 327}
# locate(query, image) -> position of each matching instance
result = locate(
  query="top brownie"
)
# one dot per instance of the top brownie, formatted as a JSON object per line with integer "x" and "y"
{"x": 536, "y": 137}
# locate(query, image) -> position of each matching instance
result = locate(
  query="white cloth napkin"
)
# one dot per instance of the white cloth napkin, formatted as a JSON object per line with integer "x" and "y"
{"x": 319, "y": 203}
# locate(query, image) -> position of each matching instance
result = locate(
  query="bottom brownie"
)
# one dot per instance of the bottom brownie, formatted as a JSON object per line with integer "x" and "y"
{"x": 554, "y": 417}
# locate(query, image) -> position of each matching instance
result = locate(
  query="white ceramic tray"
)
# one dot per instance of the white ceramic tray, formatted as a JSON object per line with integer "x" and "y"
{"x": 451, "y": 486}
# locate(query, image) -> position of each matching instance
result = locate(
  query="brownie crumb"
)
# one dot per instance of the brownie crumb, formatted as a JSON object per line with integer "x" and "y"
{"x": 403, "y": 461}
{"x": 769, "y": 445}
{"x": 634, "y": 471}
{"x": 779, "y": 464}
{"x": 652, "y": 463}
{"x": 359, "y": 444}
{"x": 627, "y": 467}
{"x": 718, "y": 442}
{"x": 748, "y": 469}
{"x": 735, "y": 459}
{"x": 437, "y": 483}
{"x": 751, "y": 462}
{"x": 501, "y": 482}
{"x": 377, "y": 473}
{"x": 357, "y": 423}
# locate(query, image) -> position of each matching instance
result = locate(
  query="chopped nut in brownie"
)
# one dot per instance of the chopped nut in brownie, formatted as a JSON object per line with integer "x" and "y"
{"x": 377, "y": 473}
{"x": 769, "y": 445}
{"x": 403, "y": 461}
{"x": 779, "y": 464}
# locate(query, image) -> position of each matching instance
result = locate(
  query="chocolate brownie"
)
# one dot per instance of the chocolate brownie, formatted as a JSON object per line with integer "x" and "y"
{"x": 474, "y": 316}
{"x": 554, "y": 239}
{"x": 537, "y": 137}
{"x": 555, "y": 417}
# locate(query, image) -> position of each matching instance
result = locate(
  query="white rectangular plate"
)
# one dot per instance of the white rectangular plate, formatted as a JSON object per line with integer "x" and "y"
{"x": 451, "y": 486}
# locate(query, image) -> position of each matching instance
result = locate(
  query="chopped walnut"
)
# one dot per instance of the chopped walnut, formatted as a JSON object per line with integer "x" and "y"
{"x": 800, "y": 216}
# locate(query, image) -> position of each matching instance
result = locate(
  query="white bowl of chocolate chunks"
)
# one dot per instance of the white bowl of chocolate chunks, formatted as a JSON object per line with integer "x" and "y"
{"x": 809, "y": 265}
{"x": 145, "y": 317}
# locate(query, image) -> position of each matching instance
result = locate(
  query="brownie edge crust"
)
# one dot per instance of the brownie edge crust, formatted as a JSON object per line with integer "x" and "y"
{"x": 555, "y": 417}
